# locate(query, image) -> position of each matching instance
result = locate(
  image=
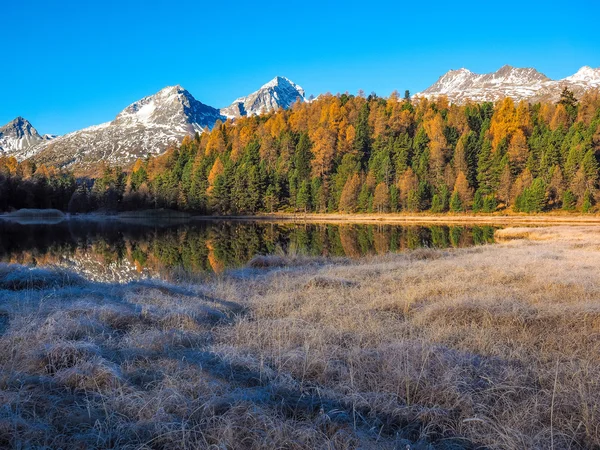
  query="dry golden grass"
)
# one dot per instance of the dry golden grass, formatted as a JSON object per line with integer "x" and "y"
{"x": 487, "y": 347}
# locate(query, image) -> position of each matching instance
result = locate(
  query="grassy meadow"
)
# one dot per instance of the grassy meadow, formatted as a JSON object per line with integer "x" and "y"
{"x": 495, "y": 347}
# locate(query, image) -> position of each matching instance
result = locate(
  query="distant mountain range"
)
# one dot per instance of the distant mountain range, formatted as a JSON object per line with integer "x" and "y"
{"x": 520, "y": 84}
{"x": 147, "y": 126}
{"x": 152, "y": 124}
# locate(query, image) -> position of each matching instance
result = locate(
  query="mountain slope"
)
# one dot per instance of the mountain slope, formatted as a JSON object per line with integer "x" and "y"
{"x": 280, "y": 92}
{"x": 147, "y": 126}
{"x": 518, "y": 83}
{"x": 18, "y": 136}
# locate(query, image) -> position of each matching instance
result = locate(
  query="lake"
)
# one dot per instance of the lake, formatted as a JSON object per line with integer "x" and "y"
{"x": 115, "y": 251}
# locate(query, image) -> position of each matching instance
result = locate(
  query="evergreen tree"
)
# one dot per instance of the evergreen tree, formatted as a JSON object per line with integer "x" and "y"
{"x": 303, "y": 197}
{"x": 477, "y": 201}
{"x": 455, "y": 203}
{"x": 363, "y": 135}
{"x": 568, "y": 201}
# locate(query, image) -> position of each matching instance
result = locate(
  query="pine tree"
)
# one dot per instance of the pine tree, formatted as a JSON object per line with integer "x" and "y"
{"x": 477, "y": 201}
{"x": 568, "y": 201}
{"x": 569, "y": 102}
{"x": 303, "y": 197}
{"x": 455, "y": 203}
{"x": 587, "y": 202}
{"x": 362, "y": 143}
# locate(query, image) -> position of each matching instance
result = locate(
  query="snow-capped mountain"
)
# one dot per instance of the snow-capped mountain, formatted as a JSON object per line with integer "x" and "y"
{"x": 277, "y": 93}
{"x": 585, "y": 76}
{"x": 19, "y": 135}
{"x": 518, "y": 83}
{"x": 147, "y": 126}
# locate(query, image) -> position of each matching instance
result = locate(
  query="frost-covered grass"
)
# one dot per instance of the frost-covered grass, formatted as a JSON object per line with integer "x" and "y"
{"x": 488, "y": 347}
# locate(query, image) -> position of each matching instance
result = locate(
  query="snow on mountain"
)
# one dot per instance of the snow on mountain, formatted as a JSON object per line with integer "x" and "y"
{"x": 147, "y": 126}
{"x": 150, "y": 126}
{"x": 586, "y": 76}
{"x": 19, "y": 135}
{"x": 517, "y": 83}
{"x": 280, "y": 92}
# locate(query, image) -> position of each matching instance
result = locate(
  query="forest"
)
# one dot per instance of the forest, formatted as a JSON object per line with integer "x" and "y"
{"x": 352, "y": 154}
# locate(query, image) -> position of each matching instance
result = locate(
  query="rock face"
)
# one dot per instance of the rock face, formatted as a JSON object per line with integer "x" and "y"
{"x": 19, "y": 135}
{"x": 518, "y": 83}
{"x": 277, "y": 93}
{"x": 145, "y": 127}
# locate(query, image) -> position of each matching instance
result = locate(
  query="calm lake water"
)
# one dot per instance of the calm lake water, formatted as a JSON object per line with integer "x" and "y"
{"x": 113, "y": 251}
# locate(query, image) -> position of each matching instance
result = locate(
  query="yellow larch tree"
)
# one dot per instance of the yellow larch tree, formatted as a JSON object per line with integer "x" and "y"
{"x": 504, "y": 122}
{"x": 324, "y": 150}
{"x": 518, "y": 151}
{"x": 217, "y": 169}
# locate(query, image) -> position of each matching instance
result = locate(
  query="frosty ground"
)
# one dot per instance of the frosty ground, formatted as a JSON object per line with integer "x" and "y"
{"x": 486, "y": 347}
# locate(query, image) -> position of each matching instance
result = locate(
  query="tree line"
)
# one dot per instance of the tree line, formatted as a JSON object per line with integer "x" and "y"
{"x": 353, "y": 154}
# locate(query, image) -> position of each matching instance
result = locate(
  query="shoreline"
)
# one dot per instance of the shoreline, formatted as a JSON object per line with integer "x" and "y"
{"x": 333, "y": 218}
{"x": 414, "y": 219}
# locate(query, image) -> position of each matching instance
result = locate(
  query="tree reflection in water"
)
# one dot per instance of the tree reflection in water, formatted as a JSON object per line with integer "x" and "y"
{"x": 208, "y": 247}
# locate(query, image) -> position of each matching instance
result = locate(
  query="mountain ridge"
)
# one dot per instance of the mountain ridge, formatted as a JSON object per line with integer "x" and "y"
{"x": 152, "y": 124}
{"x": 527, "y": 83}
{"x": 147, "y": 126}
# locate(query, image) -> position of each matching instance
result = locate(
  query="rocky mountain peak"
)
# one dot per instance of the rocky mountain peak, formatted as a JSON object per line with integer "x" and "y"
{"x": 147, "y": 126}
{"x": 19, "y": 134}
{"x": 19, "y": 127}
{"x": 508, "y": 81}
{"x": 512, "y": 74}
{"x": 585, "y": 75}
{"x": 280, "y": 92}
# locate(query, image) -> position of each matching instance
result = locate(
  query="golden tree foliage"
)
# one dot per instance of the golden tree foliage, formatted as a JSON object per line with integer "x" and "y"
{"x": 518, "y": 150}
{"x": 243, "y": 135}
{"x": 407, "y": 182}
{"x": 504, "y": 122}
{"x": 349, "y": 198}
{"x": 438, "y": 146}
{"x": 346, "y": 137}
{"x": 588, "y": 105}
{"x": 381, "y": 199}
{"x": 137, "y": 165}
{"x": 217, "y": 169}
{"x": 560, "y": 119}
{"x": 216, "y": 143}
{"x": 522, "y": 182}
{"x": 276, "y": 125}
{"x": 298, "y": 119}
{"x": 457, "y": 119}
{"x": 323, "y": 150}
{"x": 11, "y": 164}
{"x": 378, "y": 119}
{"x": 524, "y": 117}
{"x": 547, "y": 112}
{"x": 42, "y": 171}
{"x": 461, "y": 186}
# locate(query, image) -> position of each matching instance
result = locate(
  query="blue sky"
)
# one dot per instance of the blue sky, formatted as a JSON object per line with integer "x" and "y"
{"x": 71, "y": 64}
